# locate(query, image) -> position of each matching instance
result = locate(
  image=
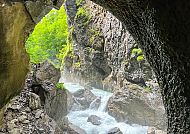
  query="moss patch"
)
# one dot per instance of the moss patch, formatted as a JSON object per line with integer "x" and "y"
{"x": 82, "y": 17}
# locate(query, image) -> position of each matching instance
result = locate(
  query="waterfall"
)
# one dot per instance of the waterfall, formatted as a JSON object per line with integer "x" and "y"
{"x": 104, "y": 102}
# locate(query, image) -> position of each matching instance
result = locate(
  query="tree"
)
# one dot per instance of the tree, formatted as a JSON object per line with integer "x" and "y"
{"x": 48, "y": 37}
{"x": 162, "y": 31}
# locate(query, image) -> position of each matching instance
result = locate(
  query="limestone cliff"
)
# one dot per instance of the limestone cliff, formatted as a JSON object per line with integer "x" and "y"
{"x": 17, "y": 19}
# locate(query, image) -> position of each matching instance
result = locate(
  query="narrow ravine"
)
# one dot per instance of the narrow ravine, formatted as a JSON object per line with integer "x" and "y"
{"x": 105, "y": 121}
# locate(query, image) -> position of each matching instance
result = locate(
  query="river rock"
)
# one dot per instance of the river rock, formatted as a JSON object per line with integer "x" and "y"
{"x": 95, "y": 120}
{"x": 115, "y": 130}
{"x": 84, "y": 97}
{"x": 57, "y": 105}
{"x": 96, "y": 103}
{"x": 73, "y": 129}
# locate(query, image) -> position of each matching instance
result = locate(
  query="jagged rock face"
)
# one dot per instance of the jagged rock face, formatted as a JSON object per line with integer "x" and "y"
{"x": 40, "y": 108}
{"x": 25, "y": 114}
{"x": 17, "y": 20}
{"x": 103, "y": 47}
{"x": 56, "y": 102}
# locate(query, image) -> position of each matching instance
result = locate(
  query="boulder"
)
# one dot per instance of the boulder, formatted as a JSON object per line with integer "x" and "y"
{"x": 57, "y": 105}
{"x": 84, "y": 97}
{"x": 46, "y": 74}
{"x": 95, "y": 120}
{"x": 115, "y": 130}
{"x": 135, "y": 106}
{"x": 56, "y": 102}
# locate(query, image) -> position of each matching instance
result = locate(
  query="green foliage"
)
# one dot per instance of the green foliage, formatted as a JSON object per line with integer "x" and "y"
{"x": 79, "y": 2}
{"x": 140, "y": 58}
{"x": 77, "y": 64}
{"x": 138, "y": 52}
{"x": 82, "y": 17}
{"x": 148, "y": 89}
{"x": 65, "y": 51}
{"x": 48, "y": 37}
{"x": 81, "y": 12}
{"x": 94, "y": 33}
{"x": 60, "y": 86}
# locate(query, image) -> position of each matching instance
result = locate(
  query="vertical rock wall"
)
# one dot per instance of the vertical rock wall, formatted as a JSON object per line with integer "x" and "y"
{"x": 15, "y": 26}
{"x": 103, "y": 48}
{"x": 17, "y": 19}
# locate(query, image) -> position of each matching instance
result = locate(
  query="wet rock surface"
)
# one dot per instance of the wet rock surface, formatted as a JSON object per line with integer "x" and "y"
{"x": 115, "y": 130}
{"x": 95, "y": 120}
{"x": 73, "y": 129}
{"x": 84, "y": 98}
{"x": 96, "y": 103}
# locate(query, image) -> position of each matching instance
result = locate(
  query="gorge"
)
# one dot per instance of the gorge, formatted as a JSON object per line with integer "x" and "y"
{"x": 106, "y": 55}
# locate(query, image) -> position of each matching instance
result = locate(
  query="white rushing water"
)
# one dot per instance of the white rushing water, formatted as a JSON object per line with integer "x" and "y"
{"x": 79, "y": 118}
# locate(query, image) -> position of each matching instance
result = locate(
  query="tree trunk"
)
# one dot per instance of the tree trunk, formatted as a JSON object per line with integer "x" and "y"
{"x": 161, "y": 29}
